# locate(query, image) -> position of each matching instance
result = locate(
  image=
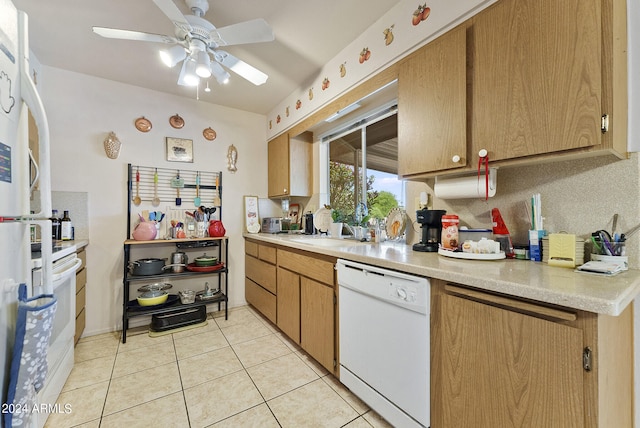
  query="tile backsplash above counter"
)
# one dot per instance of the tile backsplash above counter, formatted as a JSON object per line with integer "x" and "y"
{"x": 579, "y": 196}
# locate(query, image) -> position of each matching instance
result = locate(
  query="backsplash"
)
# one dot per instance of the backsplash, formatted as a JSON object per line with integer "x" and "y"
{"x": 77, "y": 203}
{"x": 578, "y": 196}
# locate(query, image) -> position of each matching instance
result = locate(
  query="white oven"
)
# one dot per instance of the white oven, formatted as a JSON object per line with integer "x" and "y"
{"x": 60, "y": 355}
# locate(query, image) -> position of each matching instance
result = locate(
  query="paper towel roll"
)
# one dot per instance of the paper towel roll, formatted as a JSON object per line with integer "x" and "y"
{"x": 465, "y": 187}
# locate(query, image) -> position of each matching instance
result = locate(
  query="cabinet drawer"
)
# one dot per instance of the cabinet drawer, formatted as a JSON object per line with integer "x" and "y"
{"x": 251, "y": 248}
{"x": 80, "y": 323}
{"x": 314, "y": 268}
{"x": 268, "y": 254}
{"x": 81, "y": 278}
{"x": 261, "y": 272}
{"x": 80, "y": 300}
{"x": 261, "y": 299}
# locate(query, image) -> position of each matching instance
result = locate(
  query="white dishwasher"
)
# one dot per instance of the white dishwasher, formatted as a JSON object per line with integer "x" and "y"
{"x": 384, "y": 341}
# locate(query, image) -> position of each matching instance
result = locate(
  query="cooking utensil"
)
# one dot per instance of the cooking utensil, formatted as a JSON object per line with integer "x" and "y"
{"x": 205, "y": 260}
{"x": 136, "y": 199}
{"x": 179, "y": 260}
{"x": 196, "y": 201}
{"x": 193, "y": 268}
{"x": 177, "y": 183}
{"x": 156, "y": 286}
{"x": 152, "y": 298}
{"x": 156, "y": 200}
{"x": 149, "y": 266}
{"x": 216, "y": 196}
{"x": 187, "y": 296}
{"x": 208, "y": 293}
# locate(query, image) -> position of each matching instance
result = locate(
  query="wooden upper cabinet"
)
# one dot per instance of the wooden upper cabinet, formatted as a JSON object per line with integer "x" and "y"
{"x": 537, "y": 77}
{"x": 432, "y": 106}
{"x": 279, "y": 166}
{"x": 290, "y": 165}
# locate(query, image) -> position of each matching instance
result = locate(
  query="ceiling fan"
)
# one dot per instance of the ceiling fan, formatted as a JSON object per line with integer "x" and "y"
{"x": 197, "y": 41}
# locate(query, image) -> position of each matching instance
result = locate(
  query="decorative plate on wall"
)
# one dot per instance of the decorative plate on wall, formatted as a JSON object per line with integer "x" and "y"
{"x": 209, "y": 134}
{"x": 143, "y": 124}
{"x": 176, "y": 121}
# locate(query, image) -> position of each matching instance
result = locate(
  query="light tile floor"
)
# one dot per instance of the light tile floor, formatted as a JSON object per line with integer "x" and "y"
{"x": 240, "y": 372}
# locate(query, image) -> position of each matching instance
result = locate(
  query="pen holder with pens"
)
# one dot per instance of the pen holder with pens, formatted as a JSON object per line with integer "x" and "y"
{"x": 611, "y": 251}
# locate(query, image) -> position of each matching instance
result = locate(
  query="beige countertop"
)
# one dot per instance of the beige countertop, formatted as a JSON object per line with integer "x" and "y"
{"x": 522, "y": 278}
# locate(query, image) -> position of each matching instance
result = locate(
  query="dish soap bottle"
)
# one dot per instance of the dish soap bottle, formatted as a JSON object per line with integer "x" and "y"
{"x": 66, "y": 229}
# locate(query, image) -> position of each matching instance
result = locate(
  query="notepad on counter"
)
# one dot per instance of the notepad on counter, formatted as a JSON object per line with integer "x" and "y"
{"x": 602, "y": 268}
{"x": 562, "y": 250}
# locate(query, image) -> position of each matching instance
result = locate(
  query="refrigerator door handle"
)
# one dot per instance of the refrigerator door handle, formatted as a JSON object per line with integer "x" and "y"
{"x": 34, "y": 102}
{"x": 46, "y": 252}
{"x": 34, "y": 180}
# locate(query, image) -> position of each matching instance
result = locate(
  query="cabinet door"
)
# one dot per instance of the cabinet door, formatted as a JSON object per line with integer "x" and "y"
{"x": 288, "y": 303}
{"x": 536, "y": 77}
{"x": 493, "y": 367}
{"x": 432, "y": 100}
{"x": 317, "y": 321}
{"x": 279, "y": 166}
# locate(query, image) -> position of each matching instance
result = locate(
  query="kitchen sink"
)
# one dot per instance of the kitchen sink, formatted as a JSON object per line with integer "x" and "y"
{"x": 328, "y": 242}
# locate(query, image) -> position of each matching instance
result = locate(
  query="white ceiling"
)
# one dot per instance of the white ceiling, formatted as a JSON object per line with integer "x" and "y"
{"x": 308, "y": 34}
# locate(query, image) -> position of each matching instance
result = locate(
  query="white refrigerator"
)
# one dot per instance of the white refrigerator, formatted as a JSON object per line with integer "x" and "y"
{"x": 19, "y": 174}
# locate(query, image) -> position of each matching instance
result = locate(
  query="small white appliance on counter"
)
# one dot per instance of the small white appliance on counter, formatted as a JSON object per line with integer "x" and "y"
{"x": 19, "y": 175}
{"x": 384, "y": 341}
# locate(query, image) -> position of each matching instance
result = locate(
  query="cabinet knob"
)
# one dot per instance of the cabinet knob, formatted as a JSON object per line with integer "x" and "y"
{"x": 284, "y": 190}
{"x": 483, "y": 153}
{"x": 455, "y": 159}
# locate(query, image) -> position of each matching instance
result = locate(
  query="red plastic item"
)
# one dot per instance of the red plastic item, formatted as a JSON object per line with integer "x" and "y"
{"x": 499, "y": 227}
{"x": 216, "y": 229}
{"x": 501, "y": 233}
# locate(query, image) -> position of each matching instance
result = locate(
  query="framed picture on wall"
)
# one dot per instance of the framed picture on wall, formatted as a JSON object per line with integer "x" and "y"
{"x": 251, "y": 215}
{"x": 179, "y": 150}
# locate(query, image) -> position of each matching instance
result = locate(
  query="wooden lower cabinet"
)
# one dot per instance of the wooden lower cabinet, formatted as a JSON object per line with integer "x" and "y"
{"x": 260, "y": 278}
{"x": 306, "y": 303}
{"x": 317, "y": 321}
{"x": 289, "y": 303}
{"x": 503, "y": 362}
{"x": 296, "y": 290}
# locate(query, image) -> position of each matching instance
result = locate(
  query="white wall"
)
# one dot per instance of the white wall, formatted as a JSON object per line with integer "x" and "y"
{"x": 82, "y": 110}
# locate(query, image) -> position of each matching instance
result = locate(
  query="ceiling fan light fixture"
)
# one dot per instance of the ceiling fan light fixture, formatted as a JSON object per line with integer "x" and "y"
{"x": 207, "y": 89}
{"x": 170, "y": 57}
{"x": 203, "y": 68}
{"x": 221, "y": 75}
{"x": 188, "y": 76}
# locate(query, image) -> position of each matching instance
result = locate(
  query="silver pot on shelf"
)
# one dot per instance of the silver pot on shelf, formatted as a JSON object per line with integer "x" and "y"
{"x": 179, "y": 261}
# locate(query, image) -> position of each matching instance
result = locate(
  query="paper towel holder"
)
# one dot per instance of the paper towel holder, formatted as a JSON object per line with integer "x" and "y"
{"x": 470, "y": 186}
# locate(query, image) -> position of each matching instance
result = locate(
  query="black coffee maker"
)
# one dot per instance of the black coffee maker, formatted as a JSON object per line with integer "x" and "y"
{"x": 309, "y": 229}
{"x": 431, "y": 225}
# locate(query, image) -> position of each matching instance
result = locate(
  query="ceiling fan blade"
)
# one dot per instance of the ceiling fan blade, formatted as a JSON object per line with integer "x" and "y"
{"x": 254, "y": 31}
{"x": 241, "y": 68}
{"x": 114, "y": 33}
{"x": 169, "y": 8}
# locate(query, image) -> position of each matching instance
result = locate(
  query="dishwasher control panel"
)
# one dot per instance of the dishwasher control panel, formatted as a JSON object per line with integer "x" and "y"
{"x": 406, "y": 293}
{"x": 401, "y": 289}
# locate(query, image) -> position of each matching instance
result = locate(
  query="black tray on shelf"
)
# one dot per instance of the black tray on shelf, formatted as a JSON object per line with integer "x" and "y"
{"x": 196, "y": 244}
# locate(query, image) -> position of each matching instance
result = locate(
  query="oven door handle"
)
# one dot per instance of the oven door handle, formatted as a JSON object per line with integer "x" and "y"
{"x": 62, "y": 275}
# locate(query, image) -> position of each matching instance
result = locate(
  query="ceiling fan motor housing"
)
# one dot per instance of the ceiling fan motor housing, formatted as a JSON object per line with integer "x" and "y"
{"x": 198, "y": 7}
